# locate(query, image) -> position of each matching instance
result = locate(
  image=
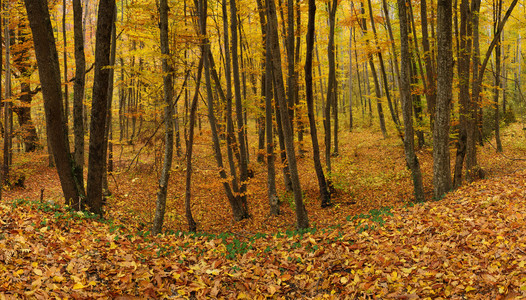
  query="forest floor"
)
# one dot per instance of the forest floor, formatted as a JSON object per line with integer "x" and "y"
{"x": 373, "y": 243}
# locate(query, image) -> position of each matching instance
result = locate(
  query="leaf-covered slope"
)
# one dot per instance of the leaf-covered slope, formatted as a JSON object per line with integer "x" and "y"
{"x": 470, "y": 244}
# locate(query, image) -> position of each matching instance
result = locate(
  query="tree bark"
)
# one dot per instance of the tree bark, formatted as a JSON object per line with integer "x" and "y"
{"x": 243, "y": 153}
{"x": 405, "y": 94}
{"x": 192, "y": 225}
{"x": 49, "y": 73}
{"x": 441, "y": 167}
{"x": 78, "y": 90}
{"x": 301, "y": 214}
{"x": 322, "y": 183}
{"x": 99, "y": 106}
{"x": 162, "y": 191}
{"x": 463, "y": 85}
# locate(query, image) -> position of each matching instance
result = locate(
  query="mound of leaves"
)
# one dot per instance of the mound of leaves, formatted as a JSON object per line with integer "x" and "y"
{"x": 471, "y": 244}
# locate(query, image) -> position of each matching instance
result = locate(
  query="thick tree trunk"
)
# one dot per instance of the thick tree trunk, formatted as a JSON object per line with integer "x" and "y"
{"x": 49, "y": 71}
{"x": 99, "y": 105}
{"x": 322, "y": 183}
{"x": 441, "y": 166}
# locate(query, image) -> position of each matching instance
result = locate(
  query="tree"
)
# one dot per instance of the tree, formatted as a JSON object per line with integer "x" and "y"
{"x": 441, "y": 167}
{"x": 99, "y": 105}
{"x": 464, "y": 99}
{"x": 332, "y": 85}
{"x": 405, "y": 94}
{"x": 301, "y": 214}
{"x": 266, "y": 88}
{"x": 49, "y": 73}
{"x": 322, "y": 183}
{"x": 78, "y": 88}
{"x": 168, "y": 119}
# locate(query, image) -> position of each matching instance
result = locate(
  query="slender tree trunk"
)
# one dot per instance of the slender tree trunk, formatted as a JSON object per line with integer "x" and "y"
{"x": 405, "y": 94}
{"x": 99, "y": 105}
{"x": 382, "y": 70}
{"x": 243, "y": 153}
{"x": 497, "y": 12}
{"x": 332, "y": 85}
{"x": 266, "y": 91}
{"x": 441, "y": 166}
{"x": 429, "y": 65}
{"x": 301, "y": 214}
{"x": 322, "y": 183}
{"x": 78, "y": 90}
{"x": 473, "y": 170}
{"x": 230, "y": 137}
{"x": 168, "y": 120}
{"x": 472, "y": 114}
{"x": 299, "y": 111}
{"x": 8, "y": 112}
{"x": 108, "y": 151}
{"x": 192, "y": 225}
{"x": 350, "y": 79}
{"x": 238, "y": 209}
{"x": 65, "y": 58}
{"x": 463, "y": 85}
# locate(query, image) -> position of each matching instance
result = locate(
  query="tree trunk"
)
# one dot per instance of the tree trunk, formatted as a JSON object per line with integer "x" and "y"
{"x": 429, "y": 65}
{"x": 497, "y": 12}
{"x": 382, "y": 70}
{"x": 331, "y": 86}
{"x": 441, "y": 167}
{"x": 230, "y": 137}
{"x": 99, "y": 105}
{"x": 238, "y": 209}
{"x": 65, "y": 58}
{"x": 322, "y": 183}
{"x": 301, "y": 214}
{"x": 405, "y": 94}
{"x": 192, "y": 225}
{"x": 463, "y": 85}
{"x": 78, "y": 90}
{"x": 243, "y": 153}
{"x": 168, "y": 119}
{"x": 49, "y": 73}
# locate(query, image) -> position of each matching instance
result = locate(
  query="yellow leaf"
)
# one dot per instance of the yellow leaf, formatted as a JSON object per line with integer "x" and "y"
{"x": 113, "y": 246}
{"x": 469, "y": 288}
{"x": 309, "y": 267}
{"x": 58, "y": 278}
{"x": 344, "y": 280}
{"x": 78, "y": 286}
{"x": 43, "y": 229}
{"x": 38, "y": 272}
{"x": 356, "y": 278}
